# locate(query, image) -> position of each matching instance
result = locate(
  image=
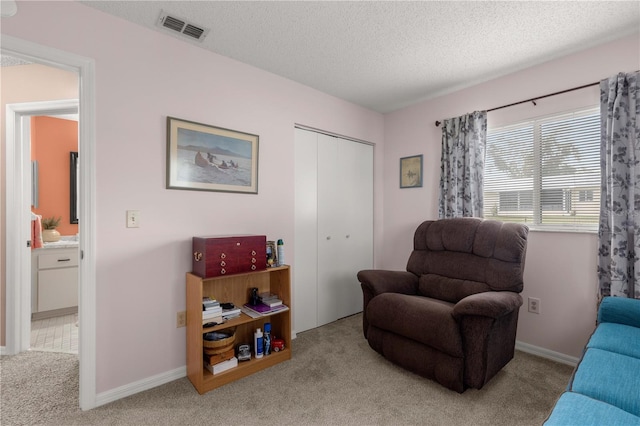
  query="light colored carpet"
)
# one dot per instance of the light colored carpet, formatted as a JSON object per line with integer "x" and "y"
{"x": 334, "y": 378}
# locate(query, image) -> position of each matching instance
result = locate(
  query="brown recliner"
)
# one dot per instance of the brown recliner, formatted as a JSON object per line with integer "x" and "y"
{"x": 452, "y": 316}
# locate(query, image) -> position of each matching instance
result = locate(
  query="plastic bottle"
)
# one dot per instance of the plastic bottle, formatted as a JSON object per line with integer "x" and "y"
{"x": 280, "y": 253}
{"x": 257, "y": 343}
{"x": 267, "y": 338}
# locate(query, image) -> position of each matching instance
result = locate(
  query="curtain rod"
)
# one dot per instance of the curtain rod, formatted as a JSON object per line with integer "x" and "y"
{"x": 538, "y": 97}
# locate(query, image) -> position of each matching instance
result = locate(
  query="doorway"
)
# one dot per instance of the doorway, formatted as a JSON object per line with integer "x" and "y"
{"x": 54, "y": 281}
{"x": 18, "y": 199}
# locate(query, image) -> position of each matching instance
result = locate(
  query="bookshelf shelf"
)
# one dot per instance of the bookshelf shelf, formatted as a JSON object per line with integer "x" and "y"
{"x": 235, "y": 289}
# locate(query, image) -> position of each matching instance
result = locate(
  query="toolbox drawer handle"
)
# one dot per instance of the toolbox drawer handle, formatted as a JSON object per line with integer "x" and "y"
{"x": 64, "y": 260}
{"x": 197, "y": 256}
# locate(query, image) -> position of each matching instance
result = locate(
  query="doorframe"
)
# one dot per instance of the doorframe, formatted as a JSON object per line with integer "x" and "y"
{"x": 18, "y": 136}
{"x": 15, "y": 194}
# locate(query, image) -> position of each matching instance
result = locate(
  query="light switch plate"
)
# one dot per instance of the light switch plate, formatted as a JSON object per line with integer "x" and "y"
{"x": 133, "y": 218}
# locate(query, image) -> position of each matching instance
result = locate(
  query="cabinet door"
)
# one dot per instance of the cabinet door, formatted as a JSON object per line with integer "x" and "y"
{"x": 305, "y": 272}
{"x": 57, "y": 288}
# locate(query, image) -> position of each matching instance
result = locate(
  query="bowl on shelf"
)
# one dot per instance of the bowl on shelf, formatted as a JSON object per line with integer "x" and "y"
{"x": 219, "y": 339}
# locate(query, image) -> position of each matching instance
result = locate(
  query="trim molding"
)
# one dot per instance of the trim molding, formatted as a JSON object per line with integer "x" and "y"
{"x": 140, "y": 386}
{"x": 546, "y": 353}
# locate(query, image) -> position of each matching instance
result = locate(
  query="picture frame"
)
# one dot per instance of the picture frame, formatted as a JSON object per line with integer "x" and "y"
{"x": 202, "y": 157}
{"x": 74, "y": 187}
{"x": 411, "y": 171}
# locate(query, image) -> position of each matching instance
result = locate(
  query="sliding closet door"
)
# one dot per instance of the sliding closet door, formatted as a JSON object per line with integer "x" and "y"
{"x": 345, "y": 224}
{"x": 333, "y": 226}
{"x": 305, "y": 269}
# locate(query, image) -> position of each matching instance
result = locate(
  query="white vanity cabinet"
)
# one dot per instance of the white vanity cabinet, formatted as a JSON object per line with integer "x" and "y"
{"x": 54, "y": 280}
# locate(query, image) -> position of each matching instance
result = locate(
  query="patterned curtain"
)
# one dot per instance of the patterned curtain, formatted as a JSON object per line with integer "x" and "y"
{"x": 462, "y": 166}
{"x": 619, "y": 230}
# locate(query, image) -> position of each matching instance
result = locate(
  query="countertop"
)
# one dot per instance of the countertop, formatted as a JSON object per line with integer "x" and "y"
{"x": 64, "y": 242}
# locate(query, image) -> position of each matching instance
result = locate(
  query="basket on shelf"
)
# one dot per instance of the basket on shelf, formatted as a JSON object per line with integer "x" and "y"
{"x": 218, "y": 341}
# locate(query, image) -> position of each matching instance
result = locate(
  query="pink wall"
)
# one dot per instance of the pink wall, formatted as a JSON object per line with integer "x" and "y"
{"x": 142, "y": 77}
{"x": 560, "y": 267}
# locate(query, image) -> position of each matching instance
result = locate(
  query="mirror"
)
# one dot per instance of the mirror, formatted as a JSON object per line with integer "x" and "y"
{"x": 74, "y": 189}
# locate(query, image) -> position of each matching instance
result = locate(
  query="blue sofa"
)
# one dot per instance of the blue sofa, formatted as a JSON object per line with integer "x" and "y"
{"x": 605, "y": 386}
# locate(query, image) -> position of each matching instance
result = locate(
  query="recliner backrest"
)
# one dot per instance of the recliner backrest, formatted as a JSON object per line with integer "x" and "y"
{"x": 455, "y": 258}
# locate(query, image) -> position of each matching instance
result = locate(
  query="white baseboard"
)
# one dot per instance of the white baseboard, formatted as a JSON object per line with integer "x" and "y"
{"x": 3, "y": 350}
{"x": 140, "y": 386}
{"x": 546, "y": 353}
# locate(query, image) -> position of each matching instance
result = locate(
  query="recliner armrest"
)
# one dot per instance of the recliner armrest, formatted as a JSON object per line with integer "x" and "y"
{"x": 620, "y": 310}
{"x": 379, "y": 281}
{"x": 492, "y": 304}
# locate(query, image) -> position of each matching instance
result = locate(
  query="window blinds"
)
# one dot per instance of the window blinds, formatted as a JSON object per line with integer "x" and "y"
{"x": 545, "y": 172}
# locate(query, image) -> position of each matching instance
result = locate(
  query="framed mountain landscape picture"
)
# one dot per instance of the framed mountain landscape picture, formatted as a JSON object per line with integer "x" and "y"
{"x": 207, "y": 158}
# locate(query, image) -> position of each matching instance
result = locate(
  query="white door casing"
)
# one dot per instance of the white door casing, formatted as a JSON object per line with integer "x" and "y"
{"x": 18, "y": 193}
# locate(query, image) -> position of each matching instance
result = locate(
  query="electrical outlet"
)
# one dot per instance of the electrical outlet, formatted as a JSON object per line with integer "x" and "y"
{"x": 181, "y": 319}
{"x": 534, "y": 305}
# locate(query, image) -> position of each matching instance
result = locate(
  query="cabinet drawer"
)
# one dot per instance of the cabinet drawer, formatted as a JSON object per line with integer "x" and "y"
{"x": 59, "y": 260}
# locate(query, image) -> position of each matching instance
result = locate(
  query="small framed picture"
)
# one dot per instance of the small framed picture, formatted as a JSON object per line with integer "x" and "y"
{"x": 411, "y": 172}
{"x": 207, "y": 158}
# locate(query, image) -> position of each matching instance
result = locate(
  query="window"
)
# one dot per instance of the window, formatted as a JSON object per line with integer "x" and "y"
{"x": 545, "y": 172}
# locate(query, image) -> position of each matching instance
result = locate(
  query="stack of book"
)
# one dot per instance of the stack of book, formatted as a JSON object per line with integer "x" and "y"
{"x": 222, "y": 366}
{"x": 270, "y": 299}
{"x": 230, "y": 311}
{"x": 261, "y": 310}
{"x": 218, "y": 355}
{"x": 211, "y": 311}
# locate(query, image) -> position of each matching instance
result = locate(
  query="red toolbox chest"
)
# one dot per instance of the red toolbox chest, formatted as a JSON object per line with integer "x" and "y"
{"x": 225, "y": 255}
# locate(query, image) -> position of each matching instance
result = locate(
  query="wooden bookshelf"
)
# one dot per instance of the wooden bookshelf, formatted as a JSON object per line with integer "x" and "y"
{"x": 236, "y": 289}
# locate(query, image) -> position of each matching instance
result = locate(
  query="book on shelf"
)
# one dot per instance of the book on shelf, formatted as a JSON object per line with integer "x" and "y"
{"x": 231, "y": 313}
{"x": 218, "y": 358}
{"x": 211, "y": 314}
{"x": 255, "y": 311}
{"x": 209, "y": 304}
{"x": 222, "y": 366}
{"x": 270, "y": 299}
{"x": 218, "y": 320}
{"x": 212, "y": 311}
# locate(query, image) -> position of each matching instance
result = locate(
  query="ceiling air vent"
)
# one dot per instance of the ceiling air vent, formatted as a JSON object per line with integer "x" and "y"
{"x": 182, "y": 26}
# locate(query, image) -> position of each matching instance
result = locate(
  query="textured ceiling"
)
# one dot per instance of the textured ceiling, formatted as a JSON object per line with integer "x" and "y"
{"x": 387, "y": 55}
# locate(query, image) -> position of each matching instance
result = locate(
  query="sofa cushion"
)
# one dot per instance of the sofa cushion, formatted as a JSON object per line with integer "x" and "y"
{"x": 609, "y": 377}
{"x": 425, "y": 320}
{"x": 576, "y": 409}
{"x": 618, "y": 338}
{"x": 621, "y": 310}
